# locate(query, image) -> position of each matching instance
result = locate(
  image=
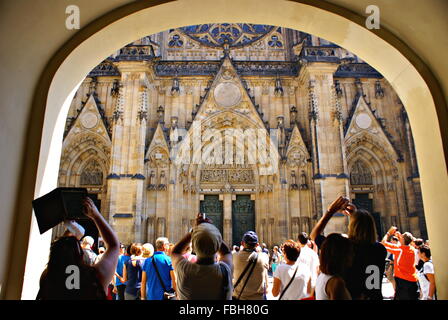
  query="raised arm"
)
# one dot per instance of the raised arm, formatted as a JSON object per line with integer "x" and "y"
{"x": 389, "y": 234}
{"x": 179, "y": 249}
{"x": 340, "y": 204}
{"x": 225, "y": 255}
{"x": 106, "y": 267}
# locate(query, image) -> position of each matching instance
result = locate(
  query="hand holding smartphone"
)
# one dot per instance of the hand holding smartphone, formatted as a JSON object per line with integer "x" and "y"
{"x": 201, "y": 218}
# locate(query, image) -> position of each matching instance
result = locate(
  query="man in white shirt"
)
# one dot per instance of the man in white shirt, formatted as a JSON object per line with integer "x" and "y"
{"x": 308, "y": 257}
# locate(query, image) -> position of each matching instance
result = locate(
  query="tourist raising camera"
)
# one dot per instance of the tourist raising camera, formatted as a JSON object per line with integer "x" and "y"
{"x": 368, "y": 254}
{"x": 87, "y": 282}
{"x": 208, "y": 278}
{"x": 405, "y": 273}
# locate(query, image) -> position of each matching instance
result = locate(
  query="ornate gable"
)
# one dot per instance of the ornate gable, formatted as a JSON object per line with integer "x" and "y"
{"x": 363, "y": 124}
{"x": 89, "y": 120}
{"x": 226, "y": 94}
{"x": 158, "y": 151}
{"x": 297, "y": 152}
{"x": 227, "y": 129}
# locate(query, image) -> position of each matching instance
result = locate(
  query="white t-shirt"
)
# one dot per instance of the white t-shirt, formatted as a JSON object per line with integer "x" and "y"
{"x": 417, "y": 257}
{"x": 298, "y": 288}
{"x": 321, "y": 286}
{"x": 311, "y": 259}
{"x": 428, "y": 267}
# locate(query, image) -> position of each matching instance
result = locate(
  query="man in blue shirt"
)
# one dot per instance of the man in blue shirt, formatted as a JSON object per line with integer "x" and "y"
{"x": 151, "y": 288}
{"x": 122, "y": 259}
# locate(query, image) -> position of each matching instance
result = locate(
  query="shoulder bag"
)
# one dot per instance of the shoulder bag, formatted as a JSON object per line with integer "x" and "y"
{"x": 289, "y": 283}
{"x": 252, "y": 262}
{"x": 167, "y": 295}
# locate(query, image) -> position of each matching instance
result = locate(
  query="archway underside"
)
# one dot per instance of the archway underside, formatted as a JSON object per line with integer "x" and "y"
{"x": 403, "y": 76}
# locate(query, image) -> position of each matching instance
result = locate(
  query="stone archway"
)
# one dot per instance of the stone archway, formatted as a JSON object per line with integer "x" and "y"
{"x": 112, "y": 31}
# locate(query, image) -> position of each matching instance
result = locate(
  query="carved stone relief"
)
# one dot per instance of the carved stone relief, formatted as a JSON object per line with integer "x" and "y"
{"x": 92, "y": 174}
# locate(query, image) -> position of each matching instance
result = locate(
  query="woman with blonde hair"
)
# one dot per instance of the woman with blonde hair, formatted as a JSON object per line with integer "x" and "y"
{"x": 148, "y": 250}
{"x": 364, "y": 278}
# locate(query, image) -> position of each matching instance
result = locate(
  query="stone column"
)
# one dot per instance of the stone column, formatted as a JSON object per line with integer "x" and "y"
{"x": 227, "y": 226}
{"x": 329, "y": 160}
{"x": 126, "y": 179}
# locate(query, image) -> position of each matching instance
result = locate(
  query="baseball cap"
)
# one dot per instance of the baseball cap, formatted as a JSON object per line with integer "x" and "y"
{"x": 206, "y": 240}
{"x": 250, "y": 237}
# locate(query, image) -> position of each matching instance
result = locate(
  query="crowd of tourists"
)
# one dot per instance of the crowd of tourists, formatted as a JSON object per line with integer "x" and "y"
{"x": 201, "y": 266}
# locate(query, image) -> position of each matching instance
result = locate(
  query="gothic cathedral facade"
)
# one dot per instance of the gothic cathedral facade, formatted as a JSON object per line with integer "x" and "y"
{"x": 259, "y": 127}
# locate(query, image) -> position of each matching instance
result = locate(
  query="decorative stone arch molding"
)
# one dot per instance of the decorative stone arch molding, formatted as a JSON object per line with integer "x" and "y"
{"x": 158, "y": 157}
{"x": 386, "y": 185}
{"x": 411, "y": 78}
{"x": 92, "y": 166}
{"x": 79, "y": 149}
{"x": 217, "y": 124}
{"x": 373, "y": 164}
{"x": 373, "y": 156}
{"x": 363, "y": 171}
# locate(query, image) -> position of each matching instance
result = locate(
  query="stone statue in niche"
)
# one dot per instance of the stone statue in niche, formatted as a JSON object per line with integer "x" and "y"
{"x": 185, "y": 225}
{"x": 295, "y": 227}
{"x": 161, "y": 227}
{"x": 174, "y": 134}
{"x": 294, "y": 185}
{"x": 269, "y": 186}
{"x": 281, "y": 135}
{"x": 162, "y": 181}
{"x": 183, "y": 176}
{"x": 303, "y": 184}
{"x": 152, "y": 181}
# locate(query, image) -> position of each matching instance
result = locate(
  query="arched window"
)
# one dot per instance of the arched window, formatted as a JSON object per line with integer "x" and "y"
{"x": 92, "y": 175}
{"x": 360, "y": 174}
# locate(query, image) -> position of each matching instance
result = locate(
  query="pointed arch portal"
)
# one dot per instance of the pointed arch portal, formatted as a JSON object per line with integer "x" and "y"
{"x": 414, "y": 83}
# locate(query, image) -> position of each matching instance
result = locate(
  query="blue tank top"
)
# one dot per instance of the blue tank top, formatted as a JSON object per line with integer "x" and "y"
{"x": 134, "y": 275}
